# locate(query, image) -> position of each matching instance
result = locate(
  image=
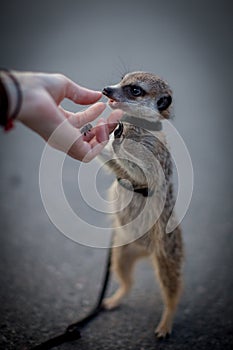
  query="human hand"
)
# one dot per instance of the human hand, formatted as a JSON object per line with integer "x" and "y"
{"x": 41, "y": 112}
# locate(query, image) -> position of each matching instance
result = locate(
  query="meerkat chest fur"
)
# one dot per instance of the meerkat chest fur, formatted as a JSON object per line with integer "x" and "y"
{"x": 143, "y": 170}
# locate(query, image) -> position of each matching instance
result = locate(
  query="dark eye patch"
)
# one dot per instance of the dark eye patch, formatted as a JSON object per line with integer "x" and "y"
{"x": 164, "y": 102}
{"x": 134, "y": 91}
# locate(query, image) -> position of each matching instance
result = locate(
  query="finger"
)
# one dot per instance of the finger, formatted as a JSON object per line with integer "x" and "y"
{"x": 104, "y": 127}
{"x": 81, "y": 118}
{"x": 95, "y": 149}
{"x": 79, "y": 150}
{"x": 92, "y": 144}
{"x": 84, "y": 151}
{"x": 79, "y": 94}
{"x": 60, "y": 87}
{"x": 113, "y": 119}
{"x": 67, "y": 114}
{"x": 101, "y": 131}
{"x": 89, "y": 136}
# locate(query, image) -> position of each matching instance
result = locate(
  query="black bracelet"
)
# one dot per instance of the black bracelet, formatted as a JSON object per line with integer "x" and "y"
{"x": 4, "y": 104}
{"x": 19, "y": 94}
{"x": 5, "y": 120}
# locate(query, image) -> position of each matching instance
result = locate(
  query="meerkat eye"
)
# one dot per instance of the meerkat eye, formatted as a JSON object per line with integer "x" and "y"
{"x": 136, "y": 91}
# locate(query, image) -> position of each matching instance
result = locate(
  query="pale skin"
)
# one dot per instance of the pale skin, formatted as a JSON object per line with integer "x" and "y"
{"x": 41, "y": 111}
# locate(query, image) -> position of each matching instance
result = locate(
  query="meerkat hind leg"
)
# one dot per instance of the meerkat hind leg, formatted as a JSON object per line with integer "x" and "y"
{"x": 168, "y": 268}
{"x": 123, "y": 261}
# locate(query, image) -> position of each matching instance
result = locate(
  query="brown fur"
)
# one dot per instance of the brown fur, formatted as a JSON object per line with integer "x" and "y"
{"x": 164, "y": 250}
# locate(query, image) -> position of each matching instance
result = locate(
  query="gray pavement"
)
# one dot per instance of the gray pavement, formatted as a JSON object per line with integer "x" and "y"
{"x": 48, "y": 281}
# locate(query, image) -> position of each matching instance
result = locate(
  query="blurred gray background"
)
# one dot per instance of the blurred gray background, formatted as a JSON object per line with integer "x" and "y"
{"x": 48, "y": 281}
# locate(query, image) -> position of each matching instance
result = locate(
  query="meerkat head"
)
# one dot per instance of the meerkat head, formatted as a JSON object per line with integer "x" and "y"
{"x": 141, "y": 94}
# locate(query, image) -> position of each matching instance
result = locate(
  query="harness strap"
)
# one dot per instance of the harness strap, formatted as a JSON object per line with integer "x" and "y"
{"x": 142, "y": 123}
{"x": 145, "y": 191}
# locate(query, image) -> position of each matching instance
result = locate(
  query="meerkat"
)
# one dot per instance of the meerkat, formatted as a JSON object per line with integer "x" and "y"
{"x": 138, "y": 154}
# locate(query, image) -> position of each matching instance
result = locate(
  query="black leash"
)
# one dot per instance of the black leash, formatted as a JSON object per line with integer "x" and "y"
{"x": 73, "y": 331}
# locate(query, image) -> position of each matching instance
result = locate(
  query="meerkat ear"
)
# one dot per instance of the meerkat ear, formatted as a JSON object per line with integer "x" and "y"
{"x": 164, "y": 102}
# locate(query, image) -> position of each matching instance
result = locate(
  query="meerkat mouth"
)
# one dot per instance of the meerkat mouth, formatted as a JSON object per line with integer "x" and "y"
{"x": 112, "y": 102}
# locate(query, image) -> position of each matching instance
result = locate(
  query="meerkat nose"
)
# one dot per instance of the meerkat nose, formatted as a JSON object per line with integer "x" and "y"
{"x": 107, "y": 91}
